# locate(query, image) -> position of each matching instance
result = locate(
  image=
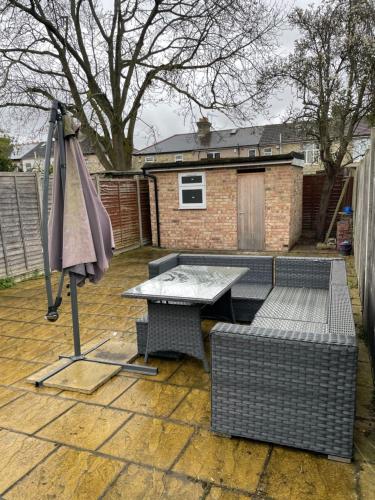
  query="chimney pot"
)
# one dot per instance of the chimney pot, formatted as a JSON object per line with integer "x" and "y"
{"x": 204, "y": 127}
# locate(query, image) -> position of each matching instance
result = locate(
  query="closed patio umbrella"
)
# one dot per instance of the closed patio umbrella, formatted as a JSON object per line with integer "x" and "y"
{"x": 80, "y": 232}
{"x": 77, "y": 238}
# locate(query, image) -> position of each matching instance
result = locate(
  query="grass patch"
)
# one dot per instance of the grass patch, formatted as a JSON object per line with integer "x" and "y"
{"x": 6, "y": 283}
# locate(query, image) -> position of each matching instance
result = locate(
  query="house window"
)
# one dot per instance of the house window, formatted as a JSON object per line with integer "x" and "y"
{"x": 27, "y": 167}
{"x": 360, "y": 147}
{"x": 312, "y": 153}
{"x": 149, "y": 159}
{"x": 213, "y": 155}
{"x": 179, "y": 157}
{"x": 192, "y": 190}
{"x": 267, "y": 151}
{"x": 253, "y": 153}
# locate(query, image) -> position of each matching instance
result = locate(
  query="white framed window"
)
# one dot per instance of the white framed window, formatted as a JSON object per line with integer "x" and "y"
{"x": 312, "y": 153}
{"x": 179, "y": 157}
{"x": 267, "y": 151}
{"x": 192, "y": 190}
{"x": 149, "y": 159}
{"x": 360, "y": 147}
{"x": 252, "y": 153}
{"x": 213, "y": 155}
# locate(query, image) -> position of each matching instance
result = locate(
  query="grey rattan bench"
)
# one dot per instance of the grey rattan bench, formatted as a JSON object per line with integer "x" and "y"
{"x": 291, "y": 380}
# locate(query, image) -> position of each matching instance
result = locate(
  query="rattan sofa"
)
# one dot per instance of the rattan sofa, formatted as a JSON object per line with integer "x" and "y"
{"x": 289, "y": 378}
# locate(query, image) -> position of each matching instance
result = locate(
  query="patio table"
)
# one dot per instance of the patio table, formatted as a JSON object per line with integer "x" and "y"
{"x": 175, "y": 299}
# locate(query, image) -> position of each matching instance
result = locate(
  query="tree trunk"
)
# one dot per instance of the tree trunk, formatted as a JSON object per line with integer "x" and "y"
{"x": 121, "y": 149}
{"x": 128, "y": 154}
{"x": 325, "y": 197}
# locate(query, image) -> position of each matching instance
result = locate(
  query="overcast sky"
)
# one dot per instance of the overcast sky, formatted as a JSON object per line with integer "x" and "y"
{"x": 166, "y": 120}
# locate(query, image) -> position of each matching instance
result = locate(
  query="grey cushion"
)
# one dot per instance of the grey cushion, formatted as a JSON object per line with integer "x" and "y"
{"x": 298, "y": 304}
{"x": 290, "y": 325}
{"x": 253, "y": 291}
{"x": 304, "y": 272}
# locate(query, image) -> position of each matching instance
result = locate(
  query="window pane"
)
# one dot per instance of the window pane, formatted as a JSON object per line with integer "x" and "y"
{"x": 360, "y": 147}
{"x": 252, "y": 153}
{"x": 192, "y": 196}
{"x": 212, "y": 155}
{"x": 191, "y": 179}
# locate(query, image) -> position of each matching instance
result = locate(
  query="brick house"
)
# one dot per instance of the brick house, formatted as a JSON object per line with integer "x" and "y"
{"x": 30, "y": 157}
{"x": 246, "y": 142}
{"x": 227, "y": 203}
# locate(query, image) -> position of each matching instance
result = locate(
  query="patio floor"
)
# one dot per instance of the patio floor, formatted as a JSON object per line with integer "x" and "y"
{"x": 143, "y": 437}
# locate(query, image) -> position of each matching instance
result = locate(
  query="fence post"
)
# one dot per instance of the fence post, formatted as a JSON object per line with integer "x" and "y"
{"x": 139, "y": 210}
{"x": 21, "y": 223}
{"x": 38, "y": 195}
{"x": 369, "y": 210}
{"x": 4, "y": 247}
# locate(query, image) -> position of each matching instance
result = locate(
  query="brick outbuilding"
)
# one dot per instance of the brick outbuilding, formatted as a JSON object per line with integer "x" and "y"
{"x": 227, "y": 204}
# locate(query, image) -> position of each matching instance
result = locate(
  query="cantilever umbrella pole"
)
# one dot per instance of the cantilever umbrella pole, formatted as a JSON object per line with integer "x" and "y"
{"x": 47, "y": 162}
{"x": 56, "y": 120}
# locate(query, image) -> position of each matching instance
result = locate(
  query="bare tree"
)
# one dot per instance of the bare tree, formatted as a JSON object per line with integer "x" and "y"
{"x": 333, "y": 70}
{"x": 110, "y": 63}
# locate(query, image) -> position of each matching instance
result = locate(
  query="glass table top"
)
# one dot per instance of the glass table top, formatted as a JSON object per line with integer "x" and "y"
{"x": 200, "y": 284}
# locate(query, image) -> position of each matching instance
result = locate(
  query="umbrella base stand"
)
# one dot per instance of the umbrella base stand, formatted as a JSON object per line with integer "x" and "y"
{"x": 101, "y": 353}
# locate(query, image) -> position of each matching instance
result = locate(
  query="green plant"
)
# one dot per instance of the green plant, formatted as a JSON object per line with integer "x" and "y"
{"x": 6, "y": 164}
{"x": 6, "y": 283}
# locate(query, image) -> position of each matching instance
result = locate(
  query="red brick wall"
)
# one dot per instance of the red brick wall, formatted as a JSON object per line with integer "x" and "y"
{"x": 216, "y": 226}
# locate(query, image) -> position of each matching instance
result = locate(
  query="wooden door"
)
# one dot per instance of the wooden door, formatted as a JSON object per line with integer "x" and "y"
{"x": 251, "y": 211}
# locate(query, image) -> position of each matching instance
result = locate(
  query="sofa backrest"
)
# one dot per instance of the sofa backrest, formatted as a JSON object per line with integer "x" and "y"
{"x": 338, "y": 272}
{"x": 340, "y": 320}
{"x": 303, "y": 272}
{"x": 163, "y": 264}
{"x": 260, "y": 267}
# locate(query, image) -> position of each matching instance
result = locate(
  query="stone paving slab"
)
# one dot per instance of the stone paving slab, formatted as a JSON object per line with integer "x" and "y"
{"x": 143, "y": 437}
{"x": 82, "y": 376}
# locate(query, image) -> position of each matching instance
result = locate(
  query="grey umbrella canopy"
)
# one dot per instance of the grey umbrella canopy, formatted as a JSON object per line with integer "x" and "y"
{"x": 80, "y": 232}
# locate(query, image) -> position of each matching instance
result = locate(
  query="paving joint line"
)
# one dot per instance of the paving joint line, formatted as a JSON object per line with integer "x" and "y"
{"x": 52, "y": 452}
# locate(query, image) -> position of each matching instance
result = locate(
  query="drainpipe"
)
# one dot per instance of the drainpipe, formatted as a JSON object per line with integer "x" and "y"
{"x": 154, "y": 178}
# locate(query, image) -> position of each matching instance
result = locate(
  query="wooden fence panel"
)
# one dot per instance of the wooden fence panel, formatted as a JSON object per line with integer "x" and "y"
{"x": 364, "y": 241}
{"x": 20, "y": 239}
{"x": 120, "y": 198}
{"x": 20, "y": 218}
{"x": 312, "y": 187}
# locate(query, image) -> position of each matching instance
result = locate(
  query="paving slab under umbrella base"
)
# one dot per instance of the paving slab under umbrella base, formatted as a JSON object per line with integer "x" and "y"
{"x": 114, "y": 350}
{"x": 48, "y": 370}
{"x": 82, "y": 376}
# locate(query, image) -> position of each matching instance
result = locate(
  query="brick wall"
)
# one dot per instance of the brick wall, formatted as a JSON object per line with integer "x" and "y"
{"x": 216, "y": 226}
{"x": 283, "y": 206}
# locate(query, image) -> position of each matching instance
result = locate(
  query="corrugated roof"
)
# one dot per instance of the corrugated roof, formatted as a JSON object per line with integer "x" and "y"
{"x": 230, "y": 138}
